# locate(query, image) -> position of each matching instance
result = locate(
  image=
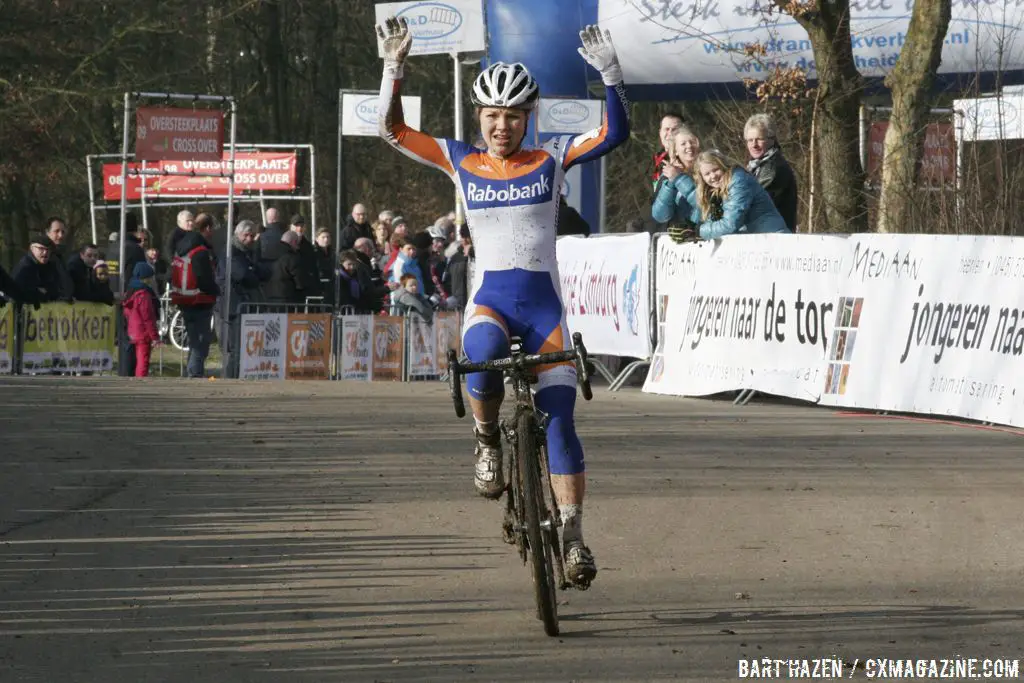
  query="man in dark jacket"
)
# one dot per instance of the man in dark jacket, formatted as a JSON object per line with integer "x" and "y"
{"x": 198, "y": 313}
{"x": 456, "y": 275}
{"x": 57, "y": 231}
{"x": 37, "y": 275}
{"x": 247, "y": 274}
{"x": 11, "y": 290}
{"x": 371, "y": 281}
{"x": 133, "y": 251}
{"x": 289, "y": 280}
{"x": 307, "y": 255}
{"x": 570, "y": 222}
{"x": 271, "y": 248}
{"x": 356, "y": 226}
{"x": 770, "y": 168}
{"x": 184, "y": 226}
{"x": 81, "y": 269}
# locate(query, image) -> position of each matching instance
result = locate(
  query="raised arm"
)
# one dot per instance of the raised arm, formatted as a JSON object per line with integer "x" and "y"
{"x": 599, "y": 52}
{"x": 396, "y": 41}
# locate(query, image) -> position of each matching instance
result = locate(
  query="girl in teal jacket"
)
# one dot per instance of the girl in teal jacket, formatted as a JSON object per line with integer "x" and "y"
{"x": 725, "y": 201}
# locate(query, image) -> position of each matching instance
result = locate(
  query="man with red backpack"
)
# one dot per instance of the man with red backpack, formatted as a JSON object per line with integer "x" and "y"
{"x": 194, "y": 290}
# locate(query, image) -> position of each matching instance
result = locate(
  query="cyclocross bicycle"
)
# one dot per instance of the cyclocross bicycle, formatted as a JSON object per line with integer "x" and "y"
{"x": 531, "y": 514}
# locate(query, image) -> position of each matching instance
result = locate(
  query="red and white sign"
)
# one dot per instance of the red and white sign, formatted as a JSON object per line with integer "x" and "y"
{"x": 254, "y": 171}
{"x": 937, "y": 164}
{"x": 176, "y": 133}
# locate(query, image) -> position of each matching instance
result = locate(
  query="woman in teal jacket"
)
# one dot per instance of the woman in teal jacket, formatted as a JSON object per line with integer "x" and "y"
{"x": 675, "y": 191}
{"x": 727, "y": 201}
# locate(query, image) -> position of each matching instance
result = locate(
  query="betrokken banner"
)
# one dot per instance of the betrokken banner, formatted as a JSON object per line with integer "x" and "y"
{"x": 605, "y": 284}
{"x": 78, "y": 337}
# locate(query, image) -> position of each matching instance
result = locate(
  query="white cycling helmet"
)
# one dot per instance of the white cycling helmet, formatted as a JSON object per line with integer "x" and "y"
{"x": 437, "y": 232}
{"x": 505, "y": 85}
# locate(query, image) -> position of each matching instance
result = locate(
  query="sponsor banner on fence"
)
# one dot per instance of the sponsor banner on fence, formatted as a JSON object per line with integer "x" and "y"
{"x": 422, "y": 349}
{"x": 439, "y": 27}
{"x": 76, "y": 337}
{"x": 308, "y": 346}
{"x": 7, "y": 339}
{"x": 388, "y": 348}
{"x": 356, "y": 337}
{"x": 263, "y": 341}
{"x": 254, "y": 172}
{"x": 759, "y": 316}
{"x": 178, "y": 133}
{"x": 447, "y": 335}
{"x": 606, "y": 292}
{"x": 675, "y": 276}
{"x": 930, "y": 324}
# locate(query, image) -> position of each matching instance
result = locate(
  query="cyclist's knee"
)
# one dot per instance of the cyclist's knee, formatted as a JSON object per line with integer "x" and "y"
{"x": 483, "y": 342}
{"x": 558, "y": 401}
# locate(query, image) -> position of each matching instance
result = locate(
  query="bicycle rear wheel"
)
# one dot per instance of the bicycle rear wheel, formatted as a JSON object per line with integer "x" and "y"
{"x": 536, "y": 514}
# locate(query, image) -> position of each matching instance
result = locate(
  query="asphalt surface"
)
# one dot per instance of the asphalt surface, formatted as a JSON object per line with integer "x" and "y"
{"x": 224, "y": 532}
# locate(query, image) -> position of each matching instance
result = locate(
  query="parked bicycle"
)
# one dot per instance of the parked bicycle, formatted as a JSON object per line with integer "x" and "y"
{"x": 171, "y": 324}
{"x": 531, "y": 515}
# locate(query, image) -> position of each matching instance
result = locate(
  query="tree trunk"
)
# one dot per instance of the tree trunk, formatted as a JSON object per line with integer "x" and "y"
{"x": 910, "y": 81}
{"x": 838, "y": 134}
{"x": 275, "y": 65}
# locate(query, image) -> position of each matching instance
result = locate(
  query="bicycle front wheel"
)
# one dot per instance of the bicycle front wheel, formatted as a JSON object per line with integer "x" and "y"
{"x": 178, "y": 336}
{"x": 537, "y": 518}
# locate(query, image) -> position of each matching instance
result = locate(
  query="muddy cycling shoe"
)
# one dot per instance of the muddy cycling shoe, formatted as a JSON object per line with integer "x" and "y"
{"x": 489, "y": 478}
{"x": 580, "y": 568}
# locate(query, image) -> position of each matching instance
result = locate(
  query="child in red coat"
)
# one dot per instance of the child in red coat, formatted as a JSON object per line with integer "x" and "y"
{"x": 140, "y": 309}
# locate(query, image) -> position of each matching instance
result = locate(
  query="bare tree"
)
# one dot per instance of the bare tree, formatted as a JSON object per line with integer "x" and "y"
{"x": 910, "y": 82}
{"x": 836, "y": 111}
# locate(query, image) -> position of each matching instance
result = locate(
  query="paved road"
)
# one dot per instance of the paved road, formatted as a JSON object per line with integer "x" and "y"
{"x": 227, "y": 532}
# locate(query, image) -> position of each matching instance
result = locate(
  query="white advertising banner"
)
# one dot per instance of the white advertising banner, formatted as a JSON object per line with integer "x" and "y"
{"x": 422, "y": 361}
{"x": 606, "y": 292}
{"x": 449, "y": 27}
{"x": 990, "y": 118}
{"x": 359, "y": 113}
{"x": 680, "y": 42}
{"x": 759, "y": 316}
{"x": 356, "y": 335}
{"x": 263, "y": 346}
{"x": 675, "y": 275}
{"x": 930, "y": 324}
{"x": 569, "y": 116}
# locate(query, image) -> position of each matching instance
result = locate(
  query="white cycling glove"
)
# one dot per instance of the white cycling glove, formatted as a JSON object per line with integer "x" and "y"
{"x": 395, "y": 41}
{"x": 599, "y": 53}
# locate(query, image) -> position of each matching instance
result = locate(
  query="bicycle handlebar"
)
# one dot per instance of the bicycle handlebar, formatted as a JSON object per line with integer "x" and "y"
{"x": 577, "y": 355}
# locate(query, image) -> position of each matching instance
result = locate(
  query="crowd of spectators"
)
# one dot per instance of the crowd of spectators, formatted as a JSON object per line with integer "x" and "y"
{"x": 702, "y": 194}
{"x": 379, "y": 266}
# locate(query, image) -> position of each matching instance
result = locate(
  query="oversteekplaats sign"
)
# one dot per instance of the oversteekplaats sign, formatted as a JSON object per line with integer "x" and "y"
{"x": 448, "y": 27}
{"x": 178, "y": 133}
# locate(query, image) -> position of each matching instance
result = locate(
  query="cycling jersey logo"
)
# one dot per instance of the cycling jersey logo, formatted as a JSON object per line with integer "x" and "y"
{"x": 631, "y": 300}
{"x": 482, "y": 193}
{"x": 432, "y": 20}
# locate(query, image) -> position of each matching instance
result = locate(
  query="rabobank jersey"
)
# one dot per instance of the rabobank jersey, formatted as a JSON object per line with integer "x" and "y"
{"x": 511, "y": 204}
